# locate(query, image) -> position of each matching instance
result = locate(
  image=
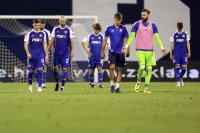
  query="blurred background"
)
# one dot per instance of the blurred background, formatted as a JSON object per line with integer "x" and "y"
{"x": 82, "y": 14}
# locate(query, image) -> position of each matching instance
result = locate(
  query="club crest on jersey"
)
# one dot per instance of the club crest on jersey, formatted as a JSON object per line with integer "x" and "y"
{"x": 112, "y": 30}
{"x": 40, "y": 35}
{"x": 99, "y": 37}
{"x": 183, "y": 35}
{"x": 65, "y": 31}
{"x": 120, "y": 30}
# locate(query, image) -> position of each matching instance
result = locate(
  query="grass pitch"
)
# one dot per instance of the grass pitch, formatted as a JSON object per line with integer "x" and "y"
{"x": 80, "y": 109}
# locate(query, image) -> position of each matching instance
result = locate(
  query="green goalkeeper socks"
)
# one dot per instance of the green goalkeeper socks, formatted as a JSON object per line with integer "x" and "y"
{"x": 148, "y": 75}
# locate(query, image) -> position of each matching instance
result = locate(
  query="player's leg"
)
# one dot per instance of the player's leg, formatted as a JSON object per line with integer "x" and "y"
{"x": 184, "y": 62}
{"x": 141, "y": 60}
{"x": 100, "y": 73}
{"x": 30, "y": 74}
{"x": 39, "y": 67}
{"x": 65, "y": 63}
{"x": 57, "y": 62}
{"x": 150, "y": 61}
{"x": 111, "y": 60}
{"x": 91, "y": 65}
{"x": 44, "y": 76}
{"x": 177, "y": 62}
{"x": 120, "y": 62}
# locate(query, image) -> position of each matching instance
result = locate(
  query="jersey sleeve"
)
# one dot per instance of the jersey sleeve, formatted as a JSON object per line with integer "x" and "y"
{"x": 107, "y": 33}
{"x": 125, "y": 32}
{"x": 45, "y": 37}
{"x": 171, "y": 38}
{"x": 72, "y": 35}
{"x": 26, "y": 37}
{"x": 135, "y": 27}
{"x": 155, "y": 29}
{"x": 188, "y": 36}
{"x": 53, "y": 33}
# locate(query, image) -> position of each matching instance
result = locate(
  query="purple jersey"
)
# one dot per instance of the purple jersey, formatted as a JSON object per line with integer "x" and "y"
{"x": 36, "y": 40}
{"x": 95, "y": 43}
{"x": 62, "y": 40}
{"x": 180, "y": 43}
{"x": 136, "y": 26}
{"x": 116, "y": 36}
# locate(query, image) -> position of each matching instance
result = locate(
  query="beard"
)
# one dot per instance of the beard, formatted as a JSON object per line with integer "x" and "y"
{"x": 144, "y": 20}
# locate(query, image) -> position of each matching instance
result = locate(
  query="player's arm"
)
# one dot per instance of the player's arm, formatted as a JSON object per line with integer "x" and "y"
{"x": 86, "y": 46}
{"x": 188, "y": 48}
{"x": 51, "y": 40}
{"x": 26, "y": 46}
{"x": 46, "y": 51}
{"x": 72, "y": 40}
{"x": 105, "y": 44}
{"x": 171, "y": 50}
{"x": 128, "y": 43}
{"x": 158, "y": 39}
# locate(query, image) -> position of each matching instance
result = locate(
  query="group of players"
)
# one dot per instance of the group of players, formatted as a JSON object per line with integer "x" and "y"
{"x": 39, "y": 41}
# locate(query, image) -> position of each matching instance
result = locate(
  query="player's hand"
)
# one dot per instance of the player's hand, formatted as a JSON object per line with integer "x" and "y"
{"x": 89, "y": 54}
{"x": 164, "y": 52}
{"x": 46, "y": 58}
{"x": 171, "y": 57}
{"x": 126, "y": 52}
{"x": 29, "y": 55}
{"x": 189, "y": 55}
{"x": 72, "y": 54}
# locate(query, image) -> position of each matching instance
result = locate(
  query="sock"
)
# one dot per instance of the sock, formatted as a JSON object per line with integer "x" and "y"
{"x": 148, "y": 75}
{"x": 39, "y": 76}
{"x": 147, "y": 86}
{"x": 111, "y": 83}
{"x": 117, "y": 85}
{"x": 183, "y": 70}
{"x": 91, "y": 77}
{"x": 140, "y": 73}
{"x": 30, "y": 77}
{"x": 177, "y": 73}
{"x": 55, "y": 73}
{"x": 65, "y": 75}
{"x": 44, "y": 77}
{"x": 100, "y": 78}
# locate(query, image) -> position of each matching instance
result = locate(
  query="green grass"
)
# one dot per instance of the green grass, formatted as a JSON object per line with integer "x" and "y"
{"x": 82, "y": 110}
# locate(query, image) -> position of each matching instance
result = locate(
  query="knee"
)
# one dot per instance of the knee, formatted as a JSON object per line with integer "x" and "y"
{"x": 177, "y": 66}
{"x": 40, "y": 69}
{"x": 184, "y": 66}
{"x": 149, "y": 68}
{"x": 55, "y": 69}
{"x": 142, "y": 67}
{"x": 112, "y": 67}
{"x": 65, "y": 69}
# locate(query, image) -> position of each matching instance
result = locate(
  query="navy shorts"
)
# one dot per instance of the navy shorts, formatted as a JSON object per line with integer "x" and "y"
{"x": 61, "y": 60}
{"x": 180, "y": 59}
{"x": 116, "y": 58}
{"x": 95, "y": 62}
{"x": 35, "y": 63}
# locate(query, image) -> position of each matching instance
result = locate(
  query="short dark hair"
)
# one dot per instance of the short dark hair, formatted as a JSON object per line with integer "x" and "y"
{"x": 146, "y": 10}
{"x": 42, "y": 21}
{"x": 118, "y": 16}
{"x": 97, "y": 26}
{"x": 36, "y": 21}
{"x": 180, "y": 25}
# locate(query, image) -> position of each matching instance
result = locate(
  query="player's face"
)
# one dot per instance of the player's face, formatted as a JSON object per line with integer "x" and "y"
{"x": 96, "y": 31}
{"x": 37, "y": 26}
{"x": 63, "y": 21}
{"x": 42, "y": 26}
{"x": 144, "y": 16}
{"x": 117, "y": 22}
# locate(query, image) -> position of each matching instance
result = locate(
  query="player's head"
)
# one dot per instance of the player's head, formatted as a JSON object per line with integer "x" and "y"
{"x": 145, "y": 15}
{"x": 96, "y": 28}
{"x": 180, "y": 26}
{"x": 62, "y": 21}
{"x": 36, "y": 24}
{"x": 118, "y": 19}
{"x": 43, "y": 23}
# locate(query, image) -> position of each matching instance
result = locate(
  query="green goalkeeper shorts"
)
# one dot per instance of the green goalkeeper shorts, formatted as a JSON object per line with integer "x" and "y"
{"x": 146, "y": 58}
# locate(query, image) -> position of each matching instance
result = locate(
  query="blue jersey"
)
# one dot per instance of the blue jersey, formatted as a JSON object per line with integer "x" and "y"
{"x": 47, "y": 32}
{"x": 116, "y": 36}
{"x": 95, "y": 44}
{"x": 136, "y": 26}
{"x": 36, "y": 40}
{"x": 62, "y": 36}
{"x": 180, "y": 43}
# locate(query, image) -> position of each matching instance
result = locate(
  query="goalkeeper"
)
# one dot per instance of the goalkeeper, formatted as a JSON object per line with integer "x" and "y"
{"x": 144, "y": 32}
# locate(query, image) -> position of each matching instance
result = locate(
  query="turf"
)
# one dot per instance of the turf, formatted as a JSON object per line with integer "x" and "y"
{"x": 80, "y": 109}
